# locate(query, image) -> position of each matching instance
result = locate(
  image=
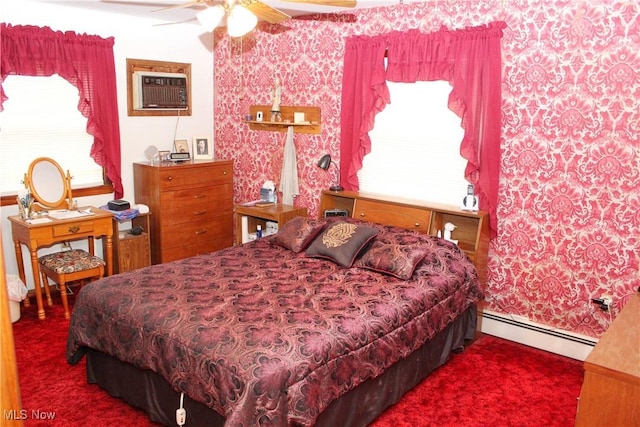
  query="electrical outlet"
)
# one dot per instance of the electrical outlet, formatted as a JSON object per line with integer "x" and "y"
{"x": 605, "y": 302}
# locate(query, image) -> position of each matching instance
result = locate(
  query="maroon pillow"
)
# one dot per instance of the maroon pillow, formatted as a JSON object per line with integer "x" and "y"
{"x": 390, "y": 258}
{"x": 297, "y": 233}
{"x": 341, "y": 242}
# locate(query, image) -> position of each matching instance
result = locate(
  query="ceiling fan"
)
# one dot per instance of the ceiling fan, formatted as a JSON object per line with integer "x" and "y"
{"x": 242, "y": 15}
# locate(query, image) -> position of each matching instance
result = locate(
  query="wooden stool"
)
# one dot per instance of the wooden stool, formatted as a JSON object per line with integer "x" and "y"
{"x": 68, "y": 266}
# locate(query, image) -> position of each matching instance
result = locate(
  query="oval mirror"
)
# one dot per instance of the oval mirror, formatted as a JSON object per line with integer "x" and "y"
{"x": 48, "y": 184}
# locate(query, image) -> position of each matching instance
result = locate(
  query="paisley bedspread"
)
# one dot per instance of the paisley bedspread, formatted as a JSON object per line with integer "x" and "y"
{"x": 265, "y": 336}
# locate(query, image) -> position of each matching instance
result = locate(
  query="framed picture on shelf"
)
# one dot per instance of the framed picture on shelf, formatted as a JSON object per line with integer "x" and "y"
{"x": 202, "y": 149}
{"x": 164, "y": 156}
{"x": 181, "y": 146}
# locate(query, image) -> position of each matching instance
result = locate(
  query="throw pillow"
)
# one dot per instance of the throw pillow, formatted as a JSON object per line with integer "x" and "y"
{"x": 297, "y": 233}
{"x": 397, "y": 260}
{"x": 341, "y": 242}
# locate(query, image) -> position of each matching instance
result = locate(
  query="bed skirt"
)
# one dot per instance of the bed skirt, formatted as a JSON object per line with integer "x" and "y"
{"x": 148, "y": 391}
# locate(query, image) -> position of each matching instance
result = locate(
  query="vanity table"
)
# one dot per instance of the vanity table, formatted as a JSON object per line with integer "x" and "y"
{"x": 35, "y": 235}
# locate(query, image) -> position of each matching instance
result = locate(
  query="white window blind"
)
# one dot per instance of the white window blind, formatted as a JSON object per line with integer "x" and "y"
{"x": 41, "y": 119}
{"x": 415, "y": 146}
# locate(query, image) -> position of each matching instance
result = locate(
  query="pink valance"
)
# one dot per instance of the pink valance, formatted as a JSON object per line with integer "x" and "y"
{"x": 85, "y": 61}
{"x": 469, "y": 59}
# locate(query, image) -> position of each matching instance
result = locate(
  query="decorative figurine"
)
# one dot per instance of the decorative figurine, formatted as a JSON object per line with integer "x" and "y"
{"x": 276, "y": 97}
{"x": 448, "y": 228}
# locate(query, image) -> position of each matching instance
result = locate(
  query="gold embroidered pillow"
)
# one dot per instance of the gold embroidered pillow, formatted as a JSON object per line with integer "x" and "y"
{"x": 297, "y": 233}
{"x": 389, "y": 258}
{"x": 341, "y": 242}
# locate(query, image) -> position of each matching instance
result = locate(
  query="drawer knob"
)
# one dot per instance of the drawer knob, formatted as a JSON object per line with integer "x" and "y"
{"x": 74, "y": 229}
{"x": 199, "y": 232}
{"x": 169, "y": 178}
{"x": 200, "y": 212}
{"x": 417, "y": 225}
{"x": 224, "y": 172}
{"x": 362, "y": 214}
{"x": 199, "y": 196}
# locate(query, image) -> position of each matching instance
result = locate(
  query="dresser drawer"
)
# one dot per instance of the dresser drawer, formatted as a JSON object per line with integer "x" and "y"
{"x": 72, "y": 228}
{"x": 388, "y": 213}
{"x": 184, "y": 178}
{"x": 198, "y": 213}
{"x": 220, "y": 194}
{"x": 195, "y": 233}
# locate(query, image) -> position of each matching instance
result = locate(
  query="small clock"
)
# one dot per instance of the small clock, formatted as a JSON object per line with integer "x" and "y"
{"x": 179, "y": 157}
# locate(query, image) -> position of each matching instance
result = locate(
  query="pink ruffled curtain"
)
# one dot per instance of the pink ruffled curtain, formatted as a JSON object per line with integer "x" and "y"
{"x": 87, "y": 63}
{"x": 469, "y": 59}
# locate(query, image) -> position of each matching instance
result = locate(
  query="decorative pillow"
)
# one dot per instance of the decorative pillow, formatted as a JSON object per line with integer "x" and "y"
{"x": 297, "y": 233}
{"x": 341, "y": 242}
{"x": 390, "y": 258}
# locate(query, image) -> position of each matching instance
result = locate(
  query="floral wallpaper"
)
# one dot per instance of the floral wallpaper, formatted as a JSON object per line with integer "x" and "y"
{"x": 569, "y": 213}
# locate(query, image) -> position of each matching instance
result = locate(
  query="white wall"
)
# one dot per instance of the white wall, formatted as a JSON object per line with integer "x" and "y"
{"x": 135, "y": 37}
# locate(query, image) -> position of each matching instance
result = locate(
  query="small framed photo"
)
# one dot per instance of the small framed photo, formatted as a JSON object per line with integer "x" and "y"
{"x": 181, "y": 146}
{"x": 164, "y": 156}
{"x": 202, "y": 149}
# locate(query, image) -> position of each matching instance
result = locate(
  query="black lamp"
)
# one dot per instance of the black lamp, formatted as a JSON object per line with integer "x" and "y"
{"x": 324, "y": 163}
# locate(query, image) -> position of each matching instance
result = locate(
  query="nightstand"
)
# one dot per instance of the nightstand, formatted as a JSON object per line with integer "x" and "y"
{"x": 256, "y": 215}
{"x": 131, "y": 252}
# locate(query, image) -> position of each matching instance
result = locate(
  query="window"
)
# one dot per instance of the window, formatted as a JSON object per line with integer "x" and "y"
{"x": 415, "y": 146}
{"x": 41, "y": 119}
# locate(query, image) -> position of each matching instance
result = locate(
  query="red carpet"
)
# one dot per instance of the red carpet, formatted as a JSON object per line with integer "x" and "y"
{"x": 493, "y": 382}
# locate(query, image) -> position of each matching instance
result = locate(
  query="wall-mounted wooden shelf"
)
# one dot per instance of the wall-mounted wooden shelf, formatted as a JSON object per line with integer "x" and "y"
{"x": 311, "y": 116}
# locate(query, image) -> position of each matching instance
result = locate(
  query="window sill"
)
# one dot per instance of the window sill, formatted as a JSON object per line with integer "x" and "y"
{"x": 10, "y": 199}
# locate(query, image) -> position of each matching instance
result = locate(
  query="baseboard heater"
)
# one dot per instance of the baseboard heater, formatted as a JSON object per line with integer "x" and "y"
{"x": 536, "y": 335}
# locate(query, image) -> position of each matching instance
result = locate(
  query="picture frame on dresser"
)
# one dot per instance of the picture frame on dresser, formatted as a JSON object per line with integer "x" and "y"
{"x": 202, "y": 148}
{"x": 164, "y": 156}
{"x": 181, "y": 146}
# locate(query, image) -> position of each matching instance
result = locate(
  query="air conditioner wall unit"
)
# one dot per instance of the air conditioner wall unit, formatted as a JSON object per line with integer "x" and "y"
{"x": 160, "y": 91}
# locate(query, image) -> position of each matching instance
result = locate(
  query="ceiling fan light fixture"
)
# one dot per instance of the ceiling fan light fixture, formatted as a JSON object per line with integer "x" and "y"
{"x": 211, "y": 17}
{"x": 240, "y": 21}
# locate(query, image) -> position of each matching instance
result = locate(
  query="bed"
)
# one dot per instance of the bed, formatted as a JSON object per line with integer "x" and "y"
{"x": 328, "y": 323}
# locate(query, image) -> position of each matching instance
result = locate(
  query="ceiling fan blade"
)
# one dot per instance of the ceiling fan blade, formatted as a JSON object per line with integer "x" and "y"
{"x": 183, "y": 5}
{"x": 134, "y": 3}
{"x": 264, "y": 12}
{"x": 337, "y": 3}
{"x": 185, "y": 21}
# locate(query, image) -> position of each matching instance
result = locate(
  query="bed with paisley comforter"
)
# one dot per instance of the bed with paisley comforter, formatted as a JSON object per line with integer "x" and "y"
{"x": 327, "y": 322}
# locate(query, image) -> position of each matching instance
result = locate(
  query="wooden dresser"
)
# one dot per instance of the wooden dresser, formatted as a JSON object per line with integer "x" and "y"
{"x": 610, "y": 393}
{"x": 192, "y": 205}
{"x": 472, "y": 230}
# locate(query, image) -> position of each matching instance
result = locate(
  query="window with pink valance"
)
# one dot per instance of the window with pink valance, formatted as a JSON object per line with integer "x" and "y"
{"x": 469, "y": 59}
{"x": 85, "y": 61}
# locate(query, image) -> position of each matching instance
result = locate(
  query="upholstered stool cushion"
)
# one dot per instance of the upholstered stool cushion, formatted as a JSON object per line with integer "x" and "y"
{"x": 66, "y": 262}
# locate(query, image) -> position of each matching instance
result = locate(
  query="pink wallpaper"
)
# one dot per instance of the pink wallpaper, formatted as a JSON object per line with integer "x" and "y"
{"x": 569, "y": 213}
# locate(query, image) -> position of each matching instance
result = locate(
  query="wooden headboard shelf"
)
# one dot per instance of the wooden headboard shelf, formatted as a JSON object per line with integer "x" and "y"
{"x": 472, "y": 230}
